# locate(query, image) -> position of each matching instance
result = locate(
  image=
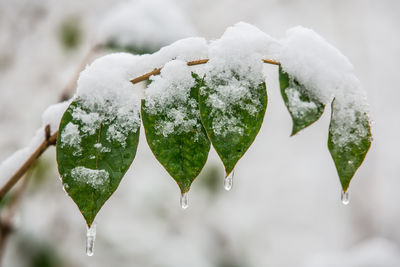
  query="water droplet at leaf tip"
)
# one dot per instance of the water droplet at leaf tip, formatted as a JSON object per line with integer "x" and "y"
{"x": 90, "y": 253}
{"x": 90, "y": 238}
{"x": 184, "y": 201}
{"x": 228, "y": 181}
{"x": 345, "y": 197}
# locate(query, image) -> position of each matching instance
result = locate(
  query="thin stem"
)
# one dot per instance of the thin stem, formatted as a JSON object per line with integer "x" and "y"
{"x": 197, "y": 62}
{"x": 270, "y": 61}
{"x": 190, "y": 63}
{"x": 49, "y": 140}
{"x": 146, "y": 76}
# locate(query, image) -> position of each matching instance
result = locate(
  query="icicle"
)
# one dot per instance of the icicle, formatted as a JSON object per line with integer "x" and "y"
{"x": 184, "y": 201}
{"x": 345, "y": 197}
{"x": 228, "y": 181}
{"x": 90, "y": 238}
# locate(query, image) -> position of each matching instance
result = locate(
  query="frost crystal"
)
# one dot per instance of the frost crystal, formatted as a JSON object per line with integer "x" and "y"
{"x": 169, "y": 94}
{"x": 95, "y": 178}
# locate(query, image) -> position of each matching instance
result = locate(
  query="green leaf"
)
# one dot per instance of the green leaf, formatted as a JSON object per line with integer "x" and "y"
{"x": 95, "y": 147}
{"x": 349, "y": 141}
{"x": 183, "y": 151}
{"x": 232, "y": 126}
{"x": 304, "y": 108}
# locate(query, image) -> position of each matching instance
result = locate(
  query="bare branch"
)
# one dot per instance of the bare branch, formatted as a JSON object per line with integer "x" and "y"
{"x": 146, "y": 76}
{"x": 270, "y": 61}
{"x": 49, "y": 140}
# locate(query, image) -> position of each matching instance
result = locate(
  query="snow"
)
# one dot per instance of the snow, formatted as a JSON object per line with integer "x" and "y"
{"x": 235, "y": 66}
{"x": 104, "y": 98}
{"x": 145, "y": 25}
{"x": 265, "y": 209}
{"x": 314, "y": 62}
{"x": 70, "y": 136}
{"x": 90, "y": 121}
{"x": 95, "y": 178}
{"x": 233, "y": 73}
{"x": 298, "y": 107}
{"x": 107, "y": 98}
{"x": 101, "y": 148}
{"x": 347, "y": 127}
{"x": 169, "y": 94}
{"x": 11, "y": 165}
{"x": 51, "y": 116}
{"x": 187, "y": 49}
{"x": 326, "y": 74}
{"x": 107, "y": 77}
{"x": 242, "y": 40}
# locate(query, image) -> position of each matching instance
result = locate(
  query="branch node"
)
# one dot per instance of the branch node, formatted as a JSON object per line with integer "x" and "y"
{"x": 47, "y": 132}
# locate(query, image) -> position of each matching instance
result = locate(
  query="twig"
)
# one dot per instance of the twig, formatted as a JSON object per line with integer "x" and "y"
{"x": 190, "y": 63}
{"x": 146, "y": 76}
{"x": 49, "y": 140}
{"x": 270, "y": 61}
{"x": 6, "y": 226}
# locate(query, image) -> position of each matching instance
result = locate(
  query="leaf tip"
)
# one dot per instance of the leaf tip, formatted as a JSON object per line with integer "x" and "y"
{"x": 295, "y": 131}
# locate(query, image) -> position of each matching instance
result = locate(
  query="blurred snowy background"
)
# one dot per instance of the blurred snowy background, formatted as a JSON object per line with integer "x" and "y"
{"x": 284, "y": 208}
